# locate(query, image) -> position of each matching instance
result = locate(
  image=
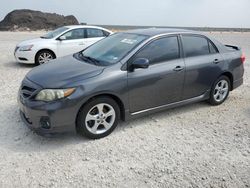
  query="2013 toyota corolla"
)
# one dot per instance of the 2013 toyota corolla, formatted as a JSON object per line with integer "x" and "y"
{"x": 127, "y": 75}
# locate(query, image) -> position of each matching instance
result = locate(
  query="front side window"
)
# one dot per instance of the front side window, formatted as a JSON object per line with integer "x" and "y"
{"x": 113, "y": 48}
{"x": 93, "y": 33}
{"x": 54, "y": 33}
{"x": 160, "y": 50}
{"x": 195, "y": 46}
{"x": 74, "y": 34}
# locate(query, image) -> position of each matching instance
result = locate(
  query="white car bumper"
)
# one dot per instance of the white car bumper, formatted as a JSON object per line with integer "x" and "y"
{"x": 24, "y": 56}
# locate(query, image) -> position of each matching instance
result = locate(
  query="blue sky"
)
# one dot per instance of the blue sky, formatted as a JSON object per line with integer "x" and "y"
{"x": 203, "y": 13}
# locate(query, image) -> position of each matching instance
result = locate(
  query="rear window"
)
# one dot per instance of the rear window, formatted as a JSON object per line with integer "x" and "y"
{"x": 106, "y": 33}
{"x": 195, "y": 46}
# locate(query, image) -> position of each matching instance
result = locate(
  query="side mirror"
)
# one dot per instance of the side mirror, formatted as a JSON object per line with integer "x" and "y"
{"x": 140, "y": 63}
{"x": 62, "y": 38}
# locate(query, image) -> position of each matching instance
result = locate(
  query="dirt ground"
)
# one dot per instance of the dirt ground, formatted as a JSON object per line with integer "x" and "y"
{"x": 191, "y": 146}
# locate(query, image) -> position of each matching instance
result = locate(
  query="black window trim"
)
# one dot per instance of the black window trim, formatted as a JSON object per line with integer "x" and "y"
{"x": 201, "y": 36}
{"x": 105, "y": 33}
{"x": 152, "y": 40}
{"x": 211, "y": 42}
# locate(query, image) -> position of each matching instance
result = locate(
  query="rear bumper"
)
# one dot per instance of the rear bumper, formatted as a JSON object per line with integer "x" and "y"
{"x": 237, "y": 83}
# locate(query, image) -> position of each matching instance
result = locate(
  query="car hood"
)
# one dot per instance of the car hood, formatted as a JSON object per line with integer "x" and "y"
{"x": 63, "y": 72}
{"x": 33, "y": 41}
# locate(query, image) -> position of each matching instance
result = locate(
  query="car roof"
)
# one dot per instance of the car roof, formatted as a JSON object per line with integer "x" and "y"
{"x": 83, "y": 26}
{"x": 159, "y": 31}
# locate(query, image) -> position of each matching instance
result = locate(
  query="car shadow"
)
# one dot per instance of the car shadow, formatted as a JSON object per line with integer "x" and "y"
{"x": 166, "y": 114}
{"x": 18, "y": 137}
{"x": 14, "y": 64}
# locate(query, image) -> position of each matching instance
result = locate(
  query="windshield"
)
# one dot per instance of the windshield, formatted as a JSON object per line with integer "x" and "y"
{"x": 54, "y": 33}
{"x": 113, "y": 48}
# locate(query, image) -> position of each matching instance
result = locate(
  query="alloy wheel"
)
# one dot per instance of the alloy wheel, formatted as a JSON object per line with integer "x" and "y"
{"x": 44, "y": 57}
{"x": 100, "y": 118}
{"x": 221, "y": 90}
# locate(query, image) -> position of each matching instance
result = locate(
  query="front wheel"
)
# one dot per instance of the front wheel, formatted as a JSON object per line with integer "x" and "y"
{"x": 220, "y": 91}
{"x": 44, "y": 56}
{"x": 98, "y": 118}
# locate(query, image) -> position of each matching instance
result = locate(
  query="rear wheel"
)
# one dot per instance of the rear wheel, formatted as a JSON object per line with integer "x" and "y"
{"x": 98, "y": 118}
{"x": 220, "y": 91}
{"x": 44, "y": 56}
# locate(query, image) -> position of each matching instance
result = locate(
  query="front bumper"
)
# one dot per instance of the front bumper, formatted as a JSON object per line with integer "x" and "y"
{"x": 27, "y": 57}
{"x": 36, "y": 119}
{"x": 48, "y": 117}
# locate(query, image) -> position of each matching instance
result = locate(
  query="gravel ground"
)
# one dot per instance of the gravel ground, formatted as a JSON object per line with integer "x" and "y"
{"x": 192, "y": 146}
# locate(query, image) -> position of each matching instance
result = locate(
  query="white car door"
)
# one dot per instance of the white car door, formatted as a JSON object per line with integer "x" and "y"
{"x": 71, "y": 42}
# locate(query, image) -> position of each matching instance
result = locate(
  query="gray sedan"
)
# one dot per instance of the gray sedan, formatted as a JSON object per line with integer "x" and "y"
{"x": 127, "y": 75}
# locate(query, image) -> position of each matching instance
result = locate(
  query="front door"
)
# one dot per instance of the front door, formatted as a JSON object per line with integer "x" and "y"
{"x": 74, "y": 42}
{"x": 162, "y": 82}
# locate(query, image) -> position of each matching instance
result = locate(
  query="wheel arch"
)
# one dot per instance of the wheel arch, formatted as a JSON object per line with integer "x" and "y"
{"x": 231, "y": 78}
{"x": 44, "y": 49}
{"x": 112, "y": 96}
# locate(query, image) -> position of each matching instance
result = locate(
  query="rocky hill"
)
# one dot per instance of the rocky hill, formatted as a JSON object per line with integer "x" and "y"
{"x": 34, "y": 20}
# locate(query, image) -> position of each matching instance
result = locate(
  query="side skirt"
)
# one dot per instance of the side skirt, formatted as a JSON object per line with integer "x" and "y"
{"x": 134, "y": 115}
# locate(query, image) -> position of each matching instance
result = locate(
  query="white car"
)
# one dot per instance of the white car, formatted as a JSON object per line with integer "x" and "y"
{"x": 60, "y": 42}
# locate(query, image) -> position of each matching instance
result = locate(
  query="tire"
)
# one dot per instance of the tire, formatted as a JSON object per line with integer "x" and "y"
{"x": 220, "y": 91}
{"x": 94, "y": 123}
{"x": 44, "y": 56}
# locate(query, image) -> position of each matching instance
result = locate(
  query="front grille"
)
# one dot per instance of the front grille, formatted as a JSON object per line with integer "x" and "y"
{"x": 27, "y": 91}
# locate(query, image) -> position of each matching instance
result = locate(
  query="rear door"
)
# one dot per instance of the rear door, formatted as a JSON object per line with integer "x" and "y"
{"x": 203, "y": 65}
{"x": 162, "y": 82}
{"x": 74, "y": 42}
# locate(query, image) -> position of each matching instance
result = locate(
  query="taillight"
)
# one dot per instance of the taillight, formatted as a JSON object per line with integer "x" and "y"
{"x": 243, "y": 58}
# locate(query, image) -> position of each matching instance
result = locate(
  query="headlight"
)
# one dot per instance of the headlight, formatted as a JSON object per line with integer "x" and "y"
{"x": 53, "y": 94}
{"x": 26, "y": 48}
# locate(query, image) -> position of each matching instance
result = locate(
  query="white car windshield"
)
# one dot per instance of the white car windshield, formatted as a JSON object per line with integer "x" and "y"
{"x": 113, "y": 48}
{"x": 54, "y": 33}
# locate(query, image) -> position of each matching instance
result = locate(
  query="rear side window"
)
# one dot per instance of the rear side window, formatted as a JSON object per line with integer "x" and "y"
{"x": 195, "y": 46}
{"x": 92, "y": 33}
{"x": 160, "y": 50}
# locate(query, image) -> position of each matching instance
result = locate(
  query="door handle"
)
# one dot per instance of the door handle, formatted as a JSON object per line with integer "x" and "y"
{"x": 81, "y": 43}
{"x": 178, "y": 68}
{"x": 216, "y": 61}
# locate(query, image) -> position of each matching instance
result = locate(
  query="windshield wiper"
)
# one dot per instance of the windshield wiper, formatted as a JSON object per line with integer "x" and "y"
{"x": 89, "y": 59}
{"x": 43, "y": 37}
